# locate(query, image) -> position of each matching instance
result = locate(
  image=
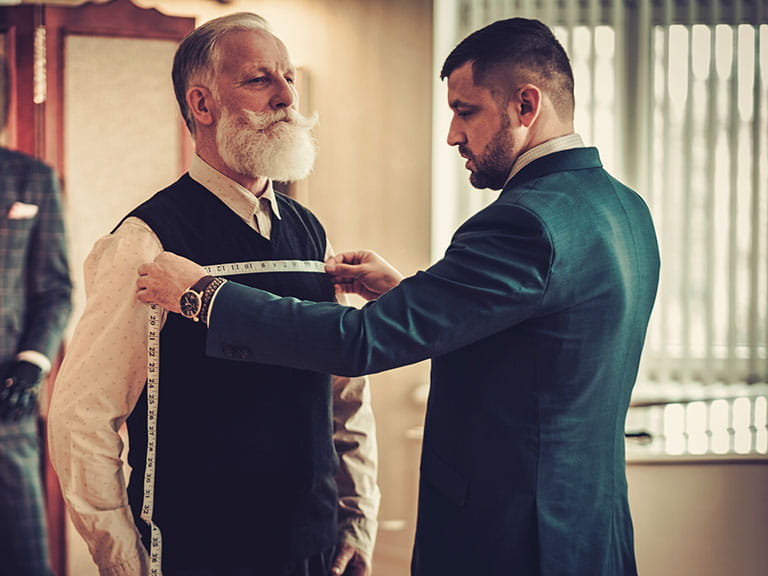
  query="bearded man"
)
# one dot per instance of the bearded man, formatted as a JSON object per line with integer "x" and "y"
{"x": 234, "y": 472}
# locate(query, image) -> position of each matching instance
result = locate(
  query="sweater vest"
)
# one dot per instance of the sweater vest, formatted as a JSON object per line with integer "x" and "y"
{"x": 245, "y": 459}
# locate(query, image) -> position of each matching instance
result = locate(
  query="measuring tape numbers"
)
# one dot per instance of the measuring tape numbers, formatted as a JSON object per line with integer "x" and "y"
{"x": 235, "y": 268}
{"x": 153, "y": 386}
{"x": 154, "y": 321}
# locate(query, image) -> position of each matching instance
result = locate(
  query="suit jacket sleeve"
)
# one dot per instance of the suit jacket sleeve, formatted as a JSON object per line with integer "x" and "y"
{"x": 493, "y": 275}
{"x": 49, "y": 285}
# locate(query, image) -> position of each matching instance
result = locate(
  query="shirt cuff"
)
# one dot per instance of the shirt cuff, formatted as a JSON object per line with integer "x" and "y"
{"x": 360, "y": 532}
{"x": 130, "y": 567}
{"x": 34, "y": 357}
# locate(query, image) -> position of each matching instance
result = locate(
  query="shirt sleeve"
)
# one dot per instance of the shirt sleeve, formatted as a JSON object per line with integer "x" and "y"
{"x": 100, "y": 381}
{"x": 354, "y": 436}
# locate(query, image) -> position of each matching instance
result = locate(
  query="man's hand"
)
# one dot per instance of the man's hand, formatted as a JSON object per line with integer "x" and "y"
{"x": 364, "y": 273}
{"x": 349, "y": 561}
{"x": 164, "y": 280}
{"x": 18, "y": 390}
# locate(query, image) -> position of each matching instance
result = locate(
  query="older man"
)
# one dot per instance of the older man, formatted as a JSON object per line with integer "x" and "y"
{"x": 234, "y": 468}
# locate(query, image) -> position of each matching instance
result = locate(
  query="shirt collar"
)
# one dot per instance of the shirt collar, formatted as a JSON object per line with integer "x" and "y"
{"x": 237, "y": 198}
{"x": 558, "y": 144}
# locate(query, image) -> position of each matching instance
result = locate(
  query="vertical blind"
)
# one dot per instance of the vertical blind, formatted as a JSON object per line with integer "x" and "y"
{"x": 674, "y": 93}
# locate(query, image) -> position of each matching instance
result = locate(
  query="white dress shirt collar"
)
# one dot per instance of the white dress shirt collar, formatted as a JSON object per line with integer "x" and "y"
{"x": 239, "y": 199}
{"x": 558, "y": 144}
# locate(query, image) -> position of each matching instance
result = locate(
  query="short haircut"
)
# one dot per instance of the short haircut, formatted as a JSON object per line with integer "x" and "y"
{"x": 509, "y": 53}
{"x": 197, "y": 58}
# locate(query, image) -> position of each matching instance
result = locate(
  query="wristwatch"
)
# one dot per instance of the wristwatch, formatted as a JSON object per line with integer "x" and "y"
{"x": 191, "y": 301}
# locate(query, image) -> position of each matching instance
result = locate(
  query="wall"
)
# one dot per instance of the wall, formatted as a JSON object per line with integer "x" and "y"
{"x": 700, "y": 517}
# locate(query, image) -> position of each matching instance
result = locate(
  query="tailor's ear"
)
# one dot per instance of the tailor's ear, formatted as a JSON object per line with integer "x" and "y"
{"x": 528, "y": 104}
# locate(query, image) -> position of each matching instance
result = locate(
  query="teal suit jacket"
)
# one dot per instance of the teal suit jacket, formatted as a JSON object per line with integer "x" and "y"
{"x": 534, "y": 320}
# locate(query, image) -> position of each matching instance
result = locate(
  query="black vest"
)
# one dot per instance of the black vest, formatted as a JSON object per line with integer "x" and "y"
{"x": 245, "y": 458}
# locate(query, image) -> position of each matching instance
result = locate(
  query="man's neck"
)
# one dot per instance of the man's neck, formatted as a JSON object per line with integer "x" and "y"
{"x": 256, "y": 185}
{"x": 546, "y": 129}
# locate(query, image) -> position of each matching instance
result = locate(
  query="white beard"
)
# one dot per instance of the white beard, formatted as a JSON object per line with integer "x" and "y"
{"x": 274, "y": 145}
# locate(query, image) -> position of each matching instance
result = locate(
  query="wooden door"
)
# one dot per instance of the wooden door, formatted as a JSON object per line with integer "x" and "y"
{"x": 91, "y": 95}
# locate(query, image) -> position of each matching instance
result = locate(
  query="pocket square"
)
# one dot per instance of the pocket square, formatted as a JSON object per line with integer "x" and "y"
{"x": 22, "y": 211}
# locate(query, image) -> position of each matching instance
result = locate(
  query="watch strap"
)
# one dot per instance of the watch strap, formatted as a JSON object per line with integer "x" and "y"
{"x": 201, "y": 284}
{"x": 210, "y": 289}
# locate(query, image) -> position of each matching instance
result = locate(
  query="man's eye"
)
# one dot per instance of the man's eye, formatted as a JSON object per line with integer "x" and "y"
{"x": 257, "y": 80}
{"x": 289, "y": 79}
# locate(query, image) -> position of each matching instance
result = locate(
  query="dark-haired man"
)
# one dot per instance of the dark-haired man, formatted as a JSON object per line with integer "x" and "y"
{"x": 534, "y": 319}
{"x": 235, "y": 466}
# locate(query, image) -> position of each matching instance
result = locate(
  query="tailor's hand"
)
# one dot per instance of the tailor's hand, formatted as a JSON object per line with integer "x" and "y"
{"x": 349, "y": 561}
{"x": 164, "y": 280}
{"x": 19, "y": 389}
{"x": 364, "y": 273}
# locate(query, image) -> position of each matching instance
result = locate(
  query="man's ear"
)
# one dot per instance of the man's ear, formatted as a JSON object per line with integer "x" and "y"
{"x": 201, "y": 103}
{"x": 528, "y": 104}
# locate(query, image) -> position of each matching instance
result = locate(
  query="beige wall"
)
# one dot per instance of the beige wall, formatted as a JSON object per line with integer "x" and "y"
{"x": 700, "y": 518}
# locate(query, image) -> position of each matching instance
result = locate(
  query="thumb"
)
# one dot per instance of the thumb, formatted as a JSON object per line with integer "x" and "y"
{"x": 330, "y": 265}
{"x": 343, "y": 556}
{"x": 339, "y": 270}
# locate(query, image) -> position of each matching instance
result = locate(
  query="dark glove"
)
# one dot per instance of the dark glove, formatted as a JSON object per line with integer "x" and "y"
{"x": 18, "y": 391}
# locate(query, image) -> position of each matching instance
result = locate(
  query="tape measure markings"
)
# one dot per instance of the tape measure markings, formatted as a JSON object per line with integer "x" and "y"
{"x": 235, "y": 268}
{"x": 153, "y": 388}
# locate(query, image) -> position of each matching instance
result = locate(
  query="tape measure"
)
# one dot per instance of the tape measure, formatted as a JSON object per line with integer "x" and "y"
{"x": 154, "y": 315}
{"x": 235, "y": 268}
{"x": 153, "y": 385}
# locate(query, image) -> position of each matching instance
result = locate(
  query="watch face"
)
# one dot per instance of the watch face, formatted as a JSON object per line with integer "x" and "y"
{"x": 190, "y": 304}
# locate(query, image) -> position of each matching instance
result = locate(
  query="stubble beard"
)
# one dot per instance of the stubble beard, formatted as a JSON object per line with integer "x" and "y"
{"x": 275, "y": 145}
{"x": 493, "y": 164}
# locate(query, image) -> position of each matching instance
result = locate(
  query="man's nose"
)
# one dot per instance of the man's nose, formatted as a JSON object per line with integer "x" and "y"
{"x": 456, "y": 137}
{"x": 285, "y": 95}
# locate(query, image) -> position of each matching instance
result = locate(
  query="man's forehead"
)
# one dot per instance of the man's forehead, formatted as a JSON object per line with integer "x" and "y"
{"x": 462, "y": 88}
{"x": 254, "y": 49}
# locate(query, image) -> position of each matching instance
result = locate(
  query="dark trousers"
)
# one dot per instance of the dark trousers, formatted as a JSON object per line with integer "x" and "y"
{"x": 317, "y": 565}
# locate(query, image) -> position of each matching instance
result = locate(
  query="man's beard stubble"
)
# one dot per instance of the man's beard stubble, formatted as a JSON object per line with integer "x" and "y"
{"x": 493, "y": 164}
{"x": 275, "y": 145}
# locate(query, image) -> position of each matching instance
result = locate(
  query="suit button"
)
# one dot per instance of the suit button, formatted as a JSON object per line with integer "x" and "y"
{"x": 236, "y": 352}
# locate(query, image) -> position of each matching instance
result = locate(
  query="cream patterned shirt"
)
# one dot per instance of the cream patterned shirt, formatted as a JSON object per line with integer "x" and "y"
{"x": 103, "y": 375}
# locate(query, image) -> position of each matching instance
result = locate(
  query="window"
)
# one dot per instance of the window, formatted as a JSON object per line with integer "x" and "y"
{"x": 674, "y": 93}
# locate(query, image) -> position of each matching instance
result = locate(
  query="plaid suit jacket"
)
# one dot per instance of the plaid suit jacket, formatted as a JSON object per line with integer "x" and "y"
{"x": 35, "y": 285}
